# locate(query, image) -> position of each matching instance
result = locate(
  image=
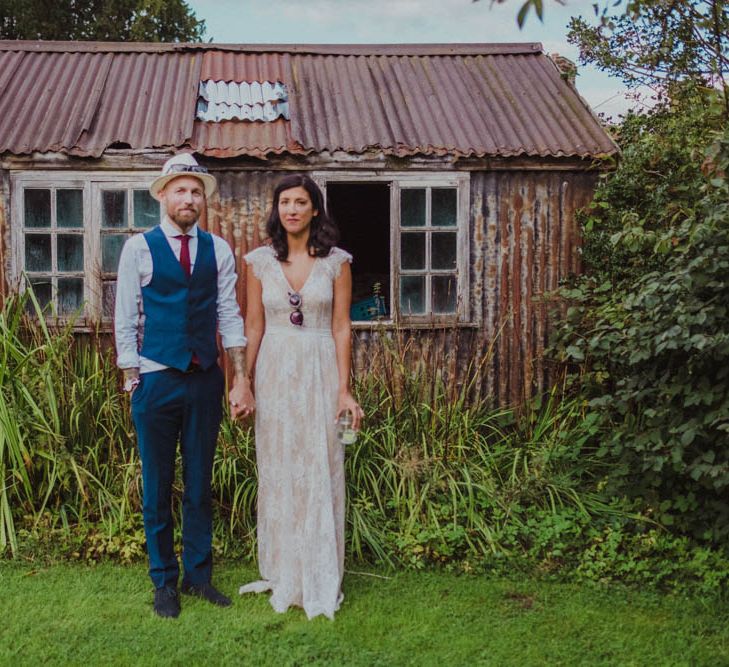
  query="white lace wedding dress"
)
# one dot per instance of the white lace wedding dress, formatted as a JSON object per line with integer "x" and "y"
{"x": 300, "y": 461}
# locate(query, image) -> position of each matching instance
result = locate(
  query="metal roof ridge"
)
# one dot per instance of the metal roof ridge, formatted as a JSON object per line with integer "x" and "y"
{"x": 398, "y": 49}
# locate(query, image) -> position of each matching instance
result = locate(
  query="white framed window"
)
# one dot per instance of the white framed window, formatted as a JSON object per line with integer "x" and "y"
{"x": 53, "y": 244}
{"x": 123, "y": 210}
{"x": 67, "y": 233}
{"x": 409, "y": 236}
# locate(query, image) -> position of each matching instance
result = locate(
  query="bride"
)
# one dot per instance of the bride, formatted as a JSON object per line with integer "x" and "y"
{"x": 299, "y": 343}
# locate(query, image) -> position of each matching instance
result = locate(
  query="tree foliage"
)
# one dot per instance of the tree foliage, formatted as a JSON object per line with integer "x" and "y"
{"x": 528, "y": 5}
{"x": 659, "y": 180}
{"x": 653, "y": 352}
{"x": 103, "y": 20}
{"x": 648, "y": 329}
{"x": 659, "y": 44}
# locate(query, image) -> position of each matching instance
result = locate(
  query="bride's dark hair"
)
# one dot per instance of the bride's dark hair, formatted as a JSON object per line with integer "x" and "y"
{"x": 323, "y": 233}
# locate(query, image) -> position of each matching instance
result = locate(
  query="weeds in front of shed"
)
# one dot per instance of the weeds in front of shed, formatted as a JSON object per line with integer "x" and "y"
{"x": 436, "y": 478}
{"x": 66, "y": 449}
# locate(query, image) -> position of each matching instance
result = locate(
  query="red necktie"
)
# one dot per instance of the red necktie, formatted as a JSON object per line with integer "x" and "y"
{"x": 185, "y": 262}
{"x": 185, "y": 253}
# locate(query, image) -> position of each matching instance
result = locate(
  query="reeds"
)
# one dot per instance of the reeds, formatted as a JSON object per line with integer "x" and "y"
{"x": 437, "y": 474}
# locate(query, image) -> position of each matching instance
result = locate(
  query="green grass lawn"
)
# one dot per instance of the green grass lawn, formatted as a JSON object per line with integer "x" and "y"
{"x": 96, "y": 615}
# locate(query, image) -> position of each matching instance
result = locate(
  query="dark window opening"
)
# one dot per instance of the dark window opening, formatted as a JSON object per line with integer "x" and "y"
{"x": 362, "y": 213}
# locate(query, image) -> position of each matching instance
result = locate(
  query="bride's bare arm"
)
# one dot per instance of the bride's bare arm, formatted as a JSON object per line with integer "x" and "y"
{"x": 242, "y": 401}
{"x": 342, "y": 333}
{"x": 255, "y": 319}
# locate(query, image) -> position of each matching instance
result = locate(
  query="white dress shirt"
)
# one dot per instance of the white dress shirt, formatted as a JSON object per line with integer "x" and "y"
{"x": 135, "y": 272}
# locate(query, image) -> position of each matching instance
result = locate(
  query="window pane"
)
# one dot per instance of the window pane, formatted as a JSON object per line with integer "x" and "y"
{"x": 108, "y": 294}
{"x": 69, "y": 208}
{"x": 111, "y": 247}
{"x": 146, "y": 209}
{"x": 444, "y": 202}
{"x": 37, "y": 208}
{"x": 70, "y": 252}
{"x": 114, "y": 208}
{"x": 444, "y": 294}
{"x": 412, "y": 295}
{"x": 43, "y": 289}
{"x": 38, "y": 252}
{"x": 412, "y": 251}
{"x": 443, "y": 251}
{"x": 412, "y": 207}
{"x": 70, "y": 295}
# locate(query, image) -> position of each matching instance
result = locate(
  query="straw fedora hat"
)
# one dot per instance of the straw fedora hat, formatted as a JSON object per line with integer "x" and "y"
{"x": 182, "y": 164}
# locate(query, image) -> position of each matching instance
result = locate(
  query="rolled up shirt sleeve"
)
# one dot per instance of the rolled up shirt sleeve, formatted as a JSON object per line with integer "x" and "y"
{"x": 230, "y": 321}
{"x": 126, "y": 308}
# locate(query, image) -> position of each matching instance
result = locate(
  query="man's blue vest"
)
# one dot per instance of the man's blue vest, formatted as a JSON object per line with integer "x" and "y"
{"x": 181, "y": 316}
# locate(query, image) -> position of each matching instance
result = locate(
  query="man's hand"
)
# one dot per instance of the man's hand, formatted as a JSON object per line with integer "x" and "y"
{"x": 131, "y": 379}
{"x": 242, "y": 401}
{"x": 241, "y": 398}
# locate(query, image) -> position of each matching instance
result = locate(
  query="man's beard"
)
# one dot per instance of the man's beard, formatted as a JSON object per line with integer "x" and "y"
{"x": 182, "y": 217}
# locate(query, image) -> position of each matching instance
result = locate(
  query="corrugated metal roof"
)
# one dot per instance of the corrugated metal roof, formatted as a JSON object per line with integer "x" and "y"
{"x": 146, "y": 103}
{"x": 230, "y": 138}
{"x": 252, "y": 101}
{"x": 82, "y": 103}
{"x": 234, "y": 66}
{"x": 459, "y": 99}
{"x": 467, "y": 105}
{"x": 36, "y": 111}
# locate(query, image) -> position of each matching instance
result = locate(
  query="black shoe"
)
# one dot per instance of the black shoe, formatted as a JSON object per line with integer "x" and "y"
{"x": 167, "y": 602}
{"x": 206, "y": 592}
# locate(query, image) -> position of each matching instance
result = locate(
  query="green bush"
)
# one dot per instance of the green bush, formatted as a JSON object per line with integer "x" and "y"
{"x": 651, "y": 344}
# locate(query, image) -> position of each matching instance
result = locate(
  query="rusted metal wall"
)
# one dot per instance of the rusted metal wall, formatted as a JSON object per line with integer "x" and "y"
{"x": 4, "y": 233}
{"x": 239, "y": 214}
{"x": 523, "y": 241}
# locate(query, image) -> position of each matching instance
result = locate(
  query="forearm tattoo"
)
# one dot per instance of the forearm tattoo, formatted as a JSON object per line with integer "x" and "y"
{"x": 237, "y": 356}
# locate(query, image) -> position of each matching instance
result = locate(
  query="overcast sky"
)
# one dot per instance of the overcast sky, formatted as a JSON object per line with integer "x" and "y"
{"x": 400, "y": 21}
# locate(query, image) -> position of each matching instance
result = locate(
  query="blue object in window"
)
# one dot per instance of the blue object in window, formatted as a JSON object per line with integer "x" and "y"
{"x": 368, "y": 309}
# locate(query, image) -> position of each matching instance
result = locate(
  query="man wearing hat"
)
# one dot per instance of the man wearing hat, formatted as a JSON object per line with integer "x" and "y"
{"x": 175, "y": 291}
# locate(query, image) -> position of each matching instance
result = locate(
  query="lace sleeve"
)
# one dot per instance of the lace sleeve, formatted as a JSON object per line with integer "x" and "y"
{"x": 258, "y": 259}
{"x": 335, "y": 259}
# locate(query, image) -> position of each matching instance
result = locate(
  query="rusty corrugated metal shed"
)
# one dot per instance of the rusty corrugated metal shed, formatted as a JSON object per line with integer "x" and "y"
{"x": 227, "y": 139}
{"x": 36, "y": 111}
{"x": 145, "y": 103}
{"x": 82, "y": 103}
{"x": 476, "y": 100}
{"x": 525, "y": 241}
{"x": 503, "y": 105}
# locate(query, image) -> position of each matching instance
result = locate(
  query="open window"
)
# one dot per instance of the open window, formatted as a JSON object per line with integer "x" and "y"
{"x": 408, "y": 234}
{"x": 362, "y": 213}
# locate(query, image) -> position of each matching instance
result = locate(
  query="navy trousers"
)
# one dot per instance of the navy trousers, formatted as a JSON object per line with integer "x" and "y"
{"x": 169, "y": 407}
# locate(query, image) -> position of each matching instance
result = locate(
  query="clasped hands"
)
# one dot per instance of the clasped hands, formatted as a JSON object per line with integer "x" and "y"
{"x": 241, "y": 399}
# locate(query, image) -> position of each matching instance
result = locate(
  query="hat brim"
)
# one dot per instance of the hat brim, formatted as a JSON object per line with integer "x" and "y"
{"x": 159, "y": 183}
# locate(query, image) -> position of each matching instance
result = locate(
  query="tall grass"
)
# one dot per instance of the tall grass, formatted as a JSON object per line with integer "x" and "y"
{"x": 436, "y": 476}
{"x": 440, "y": 476}
{"x": 67, "y": 447}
